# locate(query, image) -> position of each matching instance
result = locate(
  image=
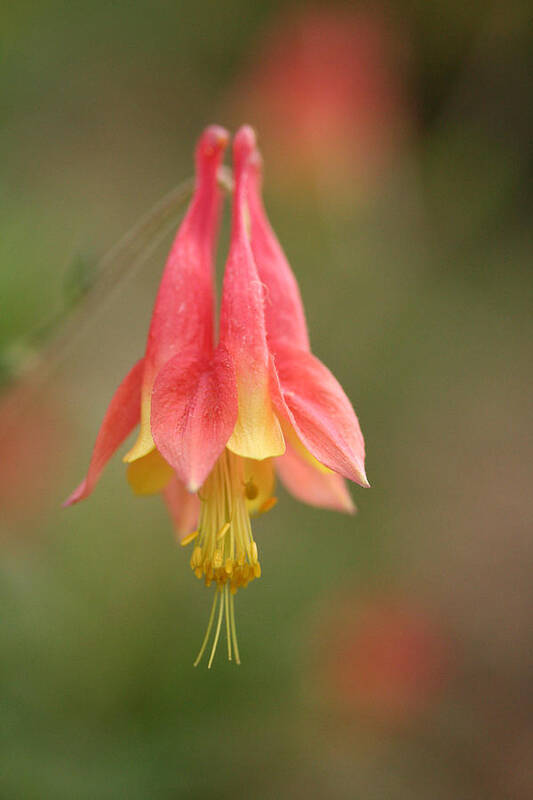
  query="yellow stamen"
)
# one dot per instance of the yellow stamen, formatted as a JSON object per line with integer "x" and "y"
{"x": 234, "y": 627}
{"x": 189, "y": 538}
{"x": 222, "y": 532}
{"x": 225, "y": 552}
{"x": 254, "y": 553}
{"x": 217, "y": 632}
{"x": 208, "y": 631}
{"x": 228, "y": 621}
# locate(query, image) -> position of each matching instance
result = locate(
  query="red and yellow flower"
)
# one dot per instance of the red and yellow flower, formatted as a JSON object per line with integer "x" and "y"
{"x": 217, "y": 418}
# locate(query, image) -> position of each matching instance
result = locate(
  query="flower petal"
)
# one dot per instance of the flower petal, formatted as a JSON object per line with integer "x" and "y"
{"x": 315, "y": 404}
{"x": 257, "y": 432}
{"x": 284, "y": 312}
{"x": 183, "y": 507}
{"x": 183, "y": 313}
{"x": 312, "y": 485}
{"x": 149, "y": 474}
{"x": 259, "y": 480}
{"x": 120, "y": 419}
{"x": 194, "y": 409}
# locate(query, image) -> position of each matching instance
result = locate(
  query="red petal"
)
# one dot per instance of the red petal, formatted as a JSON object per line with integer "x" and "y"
{"x": 257, "y": 432}
{"x": 310, "y": 485}
{"x": 120, "y": 419}
{"x": 314, "y": 402}
{"x": 194, "y": 408}
{"x": 183, "y": 312}
{"x": 183, "y": 507}
{"x": 284, "y": 313}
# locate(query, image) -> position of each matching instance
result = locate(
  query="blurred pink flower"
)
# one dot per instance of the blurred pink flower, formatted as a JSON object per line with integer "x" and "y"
{"x": 385, "y": 658}
{"x": 34, "y": 439}
{"x": 327, "y": 90}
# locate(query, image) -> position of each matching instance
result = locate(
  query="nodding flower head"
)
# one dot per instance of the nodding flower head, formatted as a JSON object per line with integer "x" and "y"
{"x": 219, "y": 416}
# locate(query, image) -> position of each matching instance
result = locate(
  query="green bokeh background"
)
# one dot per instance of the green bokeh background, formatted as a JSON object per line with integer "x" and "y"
{"x": 418, "y": 298}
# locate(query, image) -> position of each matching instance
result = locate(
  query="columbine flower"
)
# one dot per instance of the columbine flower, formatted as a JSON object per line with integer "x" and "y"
{"x": 217, "y": 420}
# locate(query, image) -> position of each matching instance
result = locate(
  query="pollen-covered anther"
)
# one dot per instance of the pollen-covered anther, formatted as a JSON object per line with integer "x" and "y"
{"x": 189, "y": 538}
{"x": 196, "y": 558}
{"x": 222, "y": 532}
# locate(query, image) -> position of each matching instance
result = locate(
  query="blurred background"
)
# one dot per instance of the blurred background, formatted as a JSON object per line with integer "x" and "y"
{"x": 386, "y": 655}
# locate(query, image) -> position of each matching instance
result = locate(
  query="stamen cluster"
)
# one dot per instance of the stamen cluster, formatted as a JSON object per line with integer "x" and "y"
{"x": 226, "y": 552}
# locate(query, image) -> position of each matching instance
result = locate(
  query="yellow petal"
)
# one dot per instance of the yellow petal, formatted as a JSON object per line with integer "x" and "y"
{"x": 257, "y": 433}
{"x": 259, "y": 483}
{"x": 145, "y": 443}
{"x": 149, "y": 474}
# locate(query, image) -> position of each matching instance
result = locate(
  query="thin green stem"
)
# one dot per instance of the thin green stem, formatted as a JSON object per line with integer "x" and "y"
{"x": 36, "y": 362}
